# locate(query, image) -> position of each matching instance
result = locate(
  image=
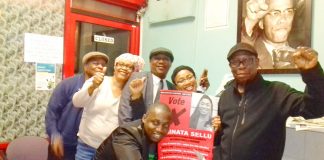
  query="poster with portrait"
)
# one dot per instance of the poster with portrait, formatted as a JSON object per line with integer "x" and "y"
{"x": 275, "y": 28}
{"x": 191, "y": 134}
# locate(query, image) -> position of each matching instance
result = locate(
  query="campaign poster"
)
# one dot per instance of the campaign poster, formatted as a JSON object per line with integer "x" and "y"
{"x": 191, "y": 134}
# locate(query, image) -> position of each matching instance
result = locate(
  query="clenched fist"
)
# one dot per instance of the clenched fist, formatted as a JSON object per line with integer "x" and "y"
{"x": 305, "y": 58}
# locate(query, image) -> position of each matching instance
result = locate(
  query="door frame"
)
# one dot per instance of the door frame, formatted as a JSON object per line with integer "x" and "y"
{"x": 70, "y": 35}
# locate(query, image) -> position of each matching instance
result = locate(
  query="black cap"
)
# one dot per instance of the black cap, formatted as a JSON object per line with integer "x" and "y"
{"x": 163, "y": 51}
{"x": 241, "y": 47}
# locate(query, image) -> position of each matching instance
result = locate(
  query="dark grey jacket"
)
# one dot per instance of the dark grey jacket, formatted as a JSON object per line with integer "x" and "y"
{"x": 132, "y": 110}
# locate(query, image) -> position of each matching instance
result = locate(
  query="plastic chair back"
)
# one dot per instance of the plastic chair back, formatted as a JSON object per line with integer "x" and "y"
{"x": 28, "y": 148}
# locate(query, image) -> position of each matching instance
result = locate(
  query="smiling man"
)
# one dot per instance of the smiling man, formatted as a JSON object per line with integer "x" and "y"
{"x": 138, "y": 139}
{"x": 254, "y": 111}
{"x": 62, "y": 119}
{"x": 142, "y": 89}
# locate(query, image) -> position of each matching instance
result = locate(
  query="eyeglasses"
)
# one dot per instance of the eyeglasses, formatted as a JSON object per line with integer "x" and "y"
{"x": 277, "y": 13}
{"x": 235, "y": 63}
{"x": 125, "y": 66}
{"x": 187, "y": 78}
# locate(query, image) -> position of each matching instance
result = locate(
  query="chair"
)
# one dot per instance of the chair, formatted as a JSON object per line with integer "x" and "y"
{"x": 28, "y": 148}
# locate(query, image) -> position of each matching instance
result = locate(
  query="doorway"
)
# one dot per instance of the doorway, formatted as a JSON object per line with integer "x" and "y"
{"x": 86, "y": 34}
{"x": 109, "y": 40}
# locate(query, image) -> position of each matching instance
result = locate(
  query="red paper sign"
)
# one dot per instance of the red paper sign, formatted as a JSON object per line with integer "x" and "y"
{"x": 191, "y": 135}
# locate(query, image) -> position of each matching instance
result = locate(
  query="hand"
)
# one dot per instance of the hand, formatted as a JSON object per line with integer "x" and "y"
{"x": 57, "y": 147}
{"x": 216, "y": 122}
{"x": 305, "y": 58}
{"x": 199, "y": 155}
{"x": 255, "y": 11}
{"x": 136, "y": 86}
{"x": 203, "y": 81}
{"x": 98, "y": 77}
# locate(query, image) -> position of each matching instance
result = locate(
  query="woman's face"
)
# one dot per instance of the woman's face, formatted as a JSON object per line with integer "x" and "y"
{"x": 185, "y": 81}
{"x": 123, "y": 69}
{"x": 205, "y": 106}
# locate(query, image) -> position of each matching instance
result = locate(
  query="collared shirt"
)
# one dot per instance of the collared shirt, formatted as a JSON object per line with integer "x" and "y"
{"x": 270, "y": 47}
{"x": 156, "y": 83}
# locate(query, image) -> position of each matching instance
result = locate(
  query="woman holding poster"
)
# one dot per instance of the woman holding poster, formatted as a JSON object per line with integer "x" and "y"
{"x": 184, "y": 79}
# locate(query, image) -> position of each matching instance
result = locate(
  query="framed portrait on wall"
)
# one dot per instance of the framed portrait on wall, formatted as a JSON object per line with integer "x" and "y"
{"x": 275, "y": 28}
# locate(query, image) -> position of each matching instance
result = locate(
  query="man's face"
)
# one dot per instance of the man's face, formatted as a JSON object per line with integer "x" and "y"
{"x": 244, "y": 66}
{"x": 95, "y": 64}
{"x": 277, "y": 22}
{"x": 156, "y": 124}
{"x": 123, "y": 69}
{"x": 160, "y": 65}
{"x": 185, "y": 81}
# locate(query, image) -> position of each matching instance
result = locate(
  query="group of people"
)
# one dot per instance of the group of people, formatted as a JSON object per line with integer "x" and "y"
{"x": 86, "y": 109}
{"x": 93, "y": 116}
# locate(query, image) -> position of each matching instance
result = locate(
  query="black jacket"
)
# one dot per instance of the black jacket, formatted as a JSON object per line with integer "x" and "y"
{"x": 125, "y": 143}
{"x": 254, "y": 125}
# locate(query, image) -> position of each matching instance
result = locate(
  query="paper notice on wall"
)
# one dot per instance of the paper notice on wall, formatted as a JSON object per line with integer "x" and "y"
{"x": 43, "y": 49}
{"x": 166, "y": 10}
{"x": 45, "y": 76}
{"x": 216, "y": 14}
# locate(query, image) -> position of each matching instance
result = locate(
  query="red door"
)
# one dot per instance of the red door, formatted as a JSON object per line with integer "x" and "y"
{"x": 85, "y": 33}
